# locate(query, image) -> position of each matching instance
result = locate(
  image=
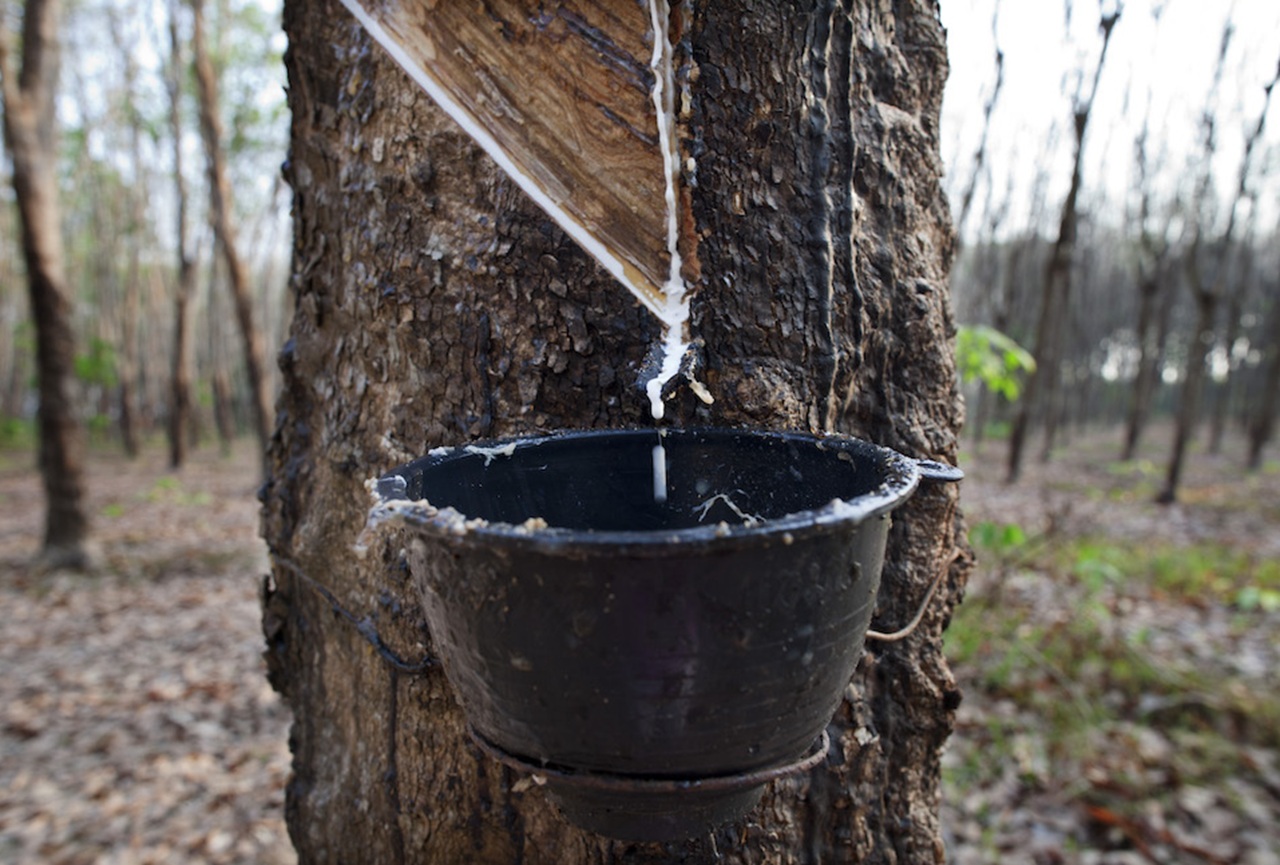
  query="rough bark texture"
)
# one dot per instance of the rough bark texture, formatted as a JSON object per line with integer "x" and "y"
{"x": 29, "y": 132}
{"x": 435, "y": 304}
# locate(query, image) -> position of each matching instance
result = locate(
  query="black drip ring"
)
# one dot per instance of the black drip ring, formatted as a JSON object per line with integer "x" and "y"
{"x": 605, "y": 782}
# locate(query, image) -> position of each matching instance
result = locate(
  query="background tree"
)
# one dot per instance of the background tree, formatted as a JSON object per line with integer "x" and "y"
{"x": 1207, "y": 271}
{"x": 435, "y": 304}
{"x": 1042, "y": 384}
{"x": 1154, "y": 307}
{"x": 1262, "y": 422}
{"x": 220, "y": 215}
{"x": 30, "y": 128}
{"x": 179, "y": 426}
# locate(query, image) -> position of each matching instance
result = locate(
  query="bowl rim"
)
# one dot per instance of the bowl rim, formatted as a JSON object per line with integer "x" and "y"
{"x": 902, "y": 475}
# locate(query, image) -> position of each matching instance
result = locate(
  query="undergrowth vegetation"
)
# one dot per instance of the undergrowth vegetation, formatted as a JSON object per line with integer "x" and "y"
{"x": 1117, "y": 676}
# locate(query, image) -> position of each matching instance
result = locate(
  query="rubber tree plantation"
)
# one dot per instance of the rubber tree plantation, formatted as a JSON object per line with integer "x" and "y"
{"x": 776, "y": 258}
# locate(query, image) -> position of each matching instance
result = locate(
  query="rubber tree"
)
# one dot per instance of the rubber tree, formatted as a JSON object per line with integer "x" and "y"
{"x": 1043, "y": 381}
{"x": 1262, "y": 423}
{"x": 1207, "y": 273}
{"x": 179, "y": 425}
{"x": 1155, "y": 295}
{"x": 434, "y": 304}
{"x": 221, "y": 220}
{"x": 30, "y": 133}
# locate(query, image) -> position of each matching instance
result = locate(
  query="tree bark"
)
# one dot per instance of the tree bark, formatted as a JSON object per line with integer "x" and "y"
{"x": 30, "y": 133}
{"x": 220, "y": 216}
{"x": 435, "y": 304}
{"x": 179, "y": 427}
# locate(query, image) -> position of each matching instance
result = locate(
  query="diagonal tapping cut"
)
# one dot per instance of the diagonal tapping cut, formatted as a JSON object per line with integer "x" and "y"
{"x": 590, "y": 166}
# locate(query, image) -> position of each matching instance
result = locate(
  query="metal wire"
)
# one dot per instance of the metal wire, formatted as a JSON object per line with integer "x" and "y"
{"x": 363, "y": 626}
{"x": 908, "y": 629}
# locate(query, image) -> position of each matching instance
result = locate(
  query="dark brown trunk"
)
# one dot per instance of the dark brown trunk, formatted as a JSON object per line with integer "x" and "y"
{"x": 1208, "y": 292}
{"x": 1192, "y": 384}
{"x": 180, "y": 416}
{"x": 224, "y": 413}
{"x": 1222, "y": 406}
{"x": 1150, "y": 335}
{"x": 435, "y": 304}
{"x": 220, "y": 216}
{"x": 29, "y": 127}
{"x": 1262, "y": 424}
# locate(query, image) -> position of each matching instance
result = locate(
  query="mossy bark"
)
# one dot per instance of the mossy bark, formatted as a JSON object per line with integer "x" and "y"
{"x": 435, "y": 304}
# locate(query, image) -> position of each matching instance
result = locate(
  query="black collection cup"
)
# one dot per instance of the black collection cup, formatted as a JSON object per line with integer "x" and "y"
{"x": 655, "y": 623}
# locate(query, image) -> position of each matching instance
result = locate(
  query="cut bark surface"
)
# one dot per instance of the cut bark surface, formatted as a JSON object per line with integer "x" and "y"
{"x": 564, "y": 92}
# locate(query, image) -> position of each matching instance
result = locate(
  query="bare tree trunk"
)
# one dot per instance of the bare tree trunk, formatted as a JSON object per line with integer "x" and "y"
{"x": 220, "y": 217}
{"x": 1153, "y": 289}
{"x": 1262, "y": 424}
{"x": 222, "y": 395}
{"x": 30, "y": 133}
{"x": 435, "y": 304}
{"x": 134, "y": 238}
{"x": 1193, "y": 380}
{"x": 180, "y": 363}
{"x": 1042, "y": 382}
{"x": 1208, "y": 292}
{"x": 1235, "y": 304}
{"x": 224, "y": 415}
{"x": 1151, "y": 331}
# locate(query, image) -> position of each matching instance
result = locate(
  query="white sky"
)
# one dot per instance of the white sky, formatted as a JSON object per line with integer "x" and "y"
{"x": 1171, "y": 63}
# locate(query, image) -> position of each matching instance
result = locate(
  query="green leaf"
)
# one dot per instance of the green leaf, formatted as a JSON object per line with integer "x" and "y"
{"x": 986, "y": 355}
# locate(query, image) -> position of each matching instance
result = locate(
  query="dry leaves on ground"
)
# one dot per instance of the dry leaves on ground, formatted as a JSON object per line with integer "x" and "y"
{"x": 136, "y": 724}
{"x": 1118, "y": 661}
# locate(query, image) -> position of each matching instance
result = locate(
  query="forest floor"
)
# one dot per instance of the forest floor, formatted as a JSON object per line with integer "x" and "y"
{"x": 1118, "y": 660}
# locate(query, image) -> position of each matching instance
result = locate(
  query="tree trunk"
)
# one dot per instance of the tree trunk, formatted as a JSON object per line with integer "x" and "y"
{"x": 1262, "y": 424}
{"x": 435, "y": 304}
{"x": 1151, "y": 333}
{"x": 180, "y": 361}
{"x": 134, "y": 239}
{"x": 220, "y": 216}
{"x": 1235, "y": 310}
{"x": 29, "y": 127}
{"x": 1209, "y": 292}
{"x": 1043, "y": 381}
{"x": 1202, "y": 336}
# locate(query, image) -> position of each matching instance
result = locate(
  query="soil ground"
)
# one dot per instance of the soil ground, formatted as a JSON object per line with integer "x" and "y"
{"x": 1118, "y": 660}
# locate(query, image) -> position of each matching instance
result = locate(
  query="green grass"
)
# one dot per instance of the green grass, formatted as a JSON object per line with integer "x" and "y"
{"x": 1199, "y": 573}
{"x": 17, "y": 434}
{"x": 168, "y": 489}
{"x": 1077, "y": 674}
